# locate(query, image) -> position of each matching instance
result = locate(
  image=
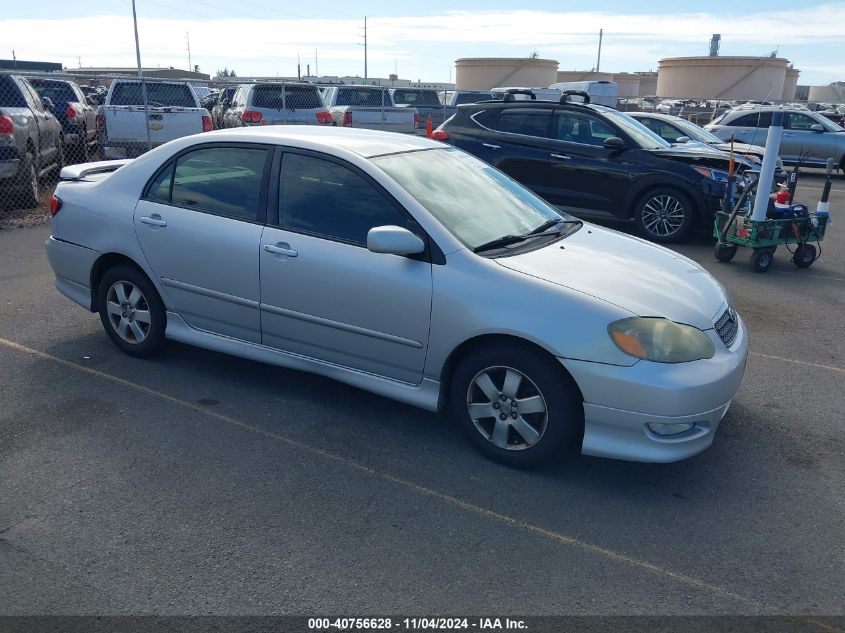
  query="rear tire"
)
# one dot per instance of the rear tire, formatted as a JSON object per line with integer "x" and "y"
{"x": 517, "y": 406}
{"x": 30, "y": 187}
{"x": 131, "y": 311}
{"x": 665, "y": 215}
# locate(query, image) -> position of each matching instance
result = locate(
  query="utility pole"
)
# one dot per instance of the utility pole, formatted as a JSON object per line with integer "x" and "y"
{"x": 365, "y": 47}
{"x": 188, "y": 43}
{"x": 598, "y": 61}
{"x": 141, "y": 77}
{"x": 14, "y": 59}
{"x": 316, "y": 67}
{"x": 298, "y": 67}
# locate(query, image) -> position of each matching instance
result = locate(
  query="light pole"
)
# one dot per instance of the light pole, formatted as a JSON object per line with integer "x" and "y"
{"x": 141, "y": 77}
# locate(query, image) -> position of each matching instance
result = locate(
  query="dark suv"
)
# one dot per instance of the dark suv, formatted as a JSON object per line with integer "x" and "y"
{"x": 595, "y": 161}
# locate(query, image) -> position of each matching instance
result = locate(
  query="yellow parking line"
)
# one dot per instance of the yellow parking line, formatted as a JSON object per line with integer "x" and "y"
{"x": 799, "y": 362}
{"x": 559, "y": 537}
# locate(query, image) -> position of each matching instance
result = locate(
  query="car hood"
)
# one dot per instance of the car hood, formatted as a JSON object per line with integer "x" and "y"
{"x": 740, "y": 148}
{"x": 699, "y": 153}
{"x": 638, "y": 276}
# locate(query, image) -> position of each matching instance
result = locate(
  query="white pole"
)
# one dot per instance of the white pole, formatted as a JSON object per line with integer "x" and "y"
{"x": 767, "y": 170}
{"x": 141, "y": 77}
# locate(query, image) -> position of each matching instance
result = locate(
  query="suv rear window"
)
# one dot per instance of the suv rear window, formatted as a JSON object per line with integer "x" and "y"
{"x": 755, "y": 119}
{"x": 416, "y": 97}
{"x": 291, "y": 97}
{"x": 10, "y": 94}
{"x": 362, "y": 97}
{"x": 129, "y": 93}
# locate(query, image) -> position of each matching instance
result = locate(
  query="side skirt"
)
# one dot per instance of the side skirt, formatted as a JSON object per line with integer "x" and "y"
{"x": 426, "y": 395}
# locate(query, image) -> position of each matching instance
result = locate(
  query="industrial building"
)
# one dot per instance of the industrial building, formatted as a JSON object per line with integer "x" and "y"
{"x": 727, "y": 77}
{"x": 484, "y": 73}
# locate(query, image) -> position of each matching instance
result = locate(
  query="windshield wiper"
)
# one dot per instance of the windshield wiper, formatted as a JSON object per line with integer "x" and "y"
{"x": 540, "y": 231}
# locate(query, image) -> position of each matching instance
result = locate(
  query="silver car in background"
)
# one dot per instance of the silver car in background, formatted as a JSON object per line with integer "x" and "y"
{"x": 414, "y": 270}
{"x": 808, "y": 137}
{"x": 280, "y": 103}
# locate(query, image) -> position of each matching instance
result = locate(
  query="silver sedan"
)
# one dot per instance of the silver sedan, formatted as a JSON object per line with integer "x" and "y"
{"x": 411, "y": 269}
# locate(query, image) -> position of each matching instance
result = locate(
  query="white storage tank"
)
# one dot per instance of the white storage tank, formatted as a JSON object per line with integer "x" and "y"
{"x": 760, "y": 78}
{"x": 484, "y": 73}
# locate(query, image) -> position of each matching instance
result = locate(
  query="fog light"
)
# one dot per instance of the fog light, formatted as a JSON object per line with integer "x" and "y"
{"x": 669, "y": 428}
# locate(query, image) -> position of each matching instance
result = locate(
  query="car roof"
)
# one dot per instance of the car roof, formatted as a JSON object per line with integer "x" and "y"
{"x": 537, "y": 103}
{"x": 366, "y": 143}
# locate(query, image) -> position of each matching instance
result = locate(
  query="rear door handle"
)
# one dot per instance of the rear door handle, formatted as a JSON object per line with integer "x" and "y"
{"x": 560, "y": 156}
{"x": 153, "y": 221}
{"x": 491, "y": 146}
{"x": 280, "y": 249}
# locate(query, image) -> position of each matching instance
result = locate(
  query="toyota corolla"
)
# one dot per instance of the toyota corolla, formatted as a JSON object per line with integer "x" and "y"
{"x": 413, "y": 270}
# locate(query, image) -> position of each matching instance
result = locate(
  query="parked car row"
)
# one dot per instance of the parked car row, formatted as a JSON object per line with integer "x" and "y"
{"x": 31, "y": 141}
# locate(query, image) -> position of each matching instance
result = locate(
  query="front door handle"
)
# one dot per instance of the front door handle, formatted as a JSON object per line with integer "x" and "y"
{"x": 153, "y": 221}
{"x": 280, "y": 249}
{"x": 560, "y": 156}
{"x": 491, "y": 146}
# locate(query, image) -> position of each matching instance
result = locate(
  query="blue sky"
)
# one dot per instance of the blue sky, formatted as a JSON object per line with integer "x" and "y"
{"x": 422, "y": 39}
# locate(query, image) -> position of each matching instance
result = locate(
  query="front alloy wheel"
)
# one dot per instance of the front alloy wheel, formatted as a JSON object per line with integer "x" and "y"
{"x": 664, "y": 215}
{"x": 507, "y": 408}
{"x": 516, "y": 404}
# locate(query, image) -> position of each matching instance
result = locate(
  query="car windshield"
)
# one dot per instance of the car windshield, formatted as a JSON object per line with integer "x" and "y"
{"x": 474, "y": 201}
{"x": 827, "y": 124}
{"x": 695, "y": 132}
{"x": 641, "y": 135}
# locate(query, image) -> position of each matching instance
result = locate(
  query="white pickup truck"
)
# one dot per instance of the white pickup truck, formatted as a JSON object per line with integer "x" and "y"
{"x": 173, "y": 111}
{"x": 368, "y": 107}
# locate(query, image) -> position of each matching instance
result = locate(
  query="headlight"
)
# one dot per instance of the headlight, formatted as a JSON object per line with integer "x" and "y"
{"x": 660, "y": 340}
{"x": 713, "y": 174}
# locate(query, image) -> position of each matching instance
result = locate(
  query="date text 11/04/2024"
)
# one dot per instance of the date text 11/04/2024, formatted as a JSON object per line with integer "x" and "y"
{"x": 423, "y": 623}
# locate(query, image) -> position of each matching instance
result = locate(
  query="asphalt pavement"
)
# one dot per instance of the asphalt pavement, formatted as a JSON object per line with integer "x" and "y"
{"x": 197, "y": 483}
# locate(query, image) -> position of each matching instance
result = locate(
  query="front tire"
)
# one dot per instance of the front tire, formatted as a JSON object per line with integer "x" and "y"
{"x": 516, "y": 406}
{"x": 665, "y": 215}
{"x": 131, "y": 311}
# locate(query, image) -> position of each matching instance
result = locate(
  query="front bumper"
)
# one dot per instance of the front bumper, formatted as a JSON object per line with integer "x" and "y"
{"x": 620, "y": 402}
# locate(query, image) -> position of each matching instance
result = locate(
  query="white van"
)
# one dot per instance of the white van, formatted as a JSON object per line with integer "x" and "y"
{"x": 542, "y": 94}
{"x": 601, "y": 92}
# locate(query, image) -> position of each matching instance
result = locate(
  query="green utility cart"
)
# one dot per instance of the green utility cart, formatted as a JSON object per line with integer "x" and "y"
{"x": 733, "y": 230}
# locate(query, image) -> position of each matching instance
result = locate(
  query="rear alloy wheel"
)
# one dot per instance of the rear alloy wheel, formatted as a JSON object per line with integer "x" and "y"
{"x": 516, "y": 406}
{"x": 664, "y": 215}
{"x": 131, "y": 311}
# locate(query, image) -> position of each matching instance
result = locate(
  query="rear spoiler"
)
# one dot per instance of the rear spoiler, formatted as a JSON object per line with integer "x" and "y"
{"x": 83, "y": 170}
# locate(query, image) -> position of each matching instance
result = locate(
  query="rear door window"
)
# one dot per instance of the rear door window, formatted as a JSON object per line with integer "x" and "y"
{"x": 217, "y": 180}
{"x": 525, "y": 121}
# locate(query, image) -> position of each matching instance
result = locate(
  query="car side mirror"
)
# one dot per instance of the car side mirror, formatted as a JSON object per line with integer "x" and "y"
{"x": 682, "y": 139}
{"x": 394, "y": 240}
{"x": 614, "y": 143}
{"x": 817, "y": 127}
{"x": 48, "y": 103}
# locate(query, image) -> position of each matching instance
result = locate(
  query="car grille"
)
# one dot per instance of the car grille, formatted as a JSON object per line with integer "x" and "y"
{"x": 727, "y": 326}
